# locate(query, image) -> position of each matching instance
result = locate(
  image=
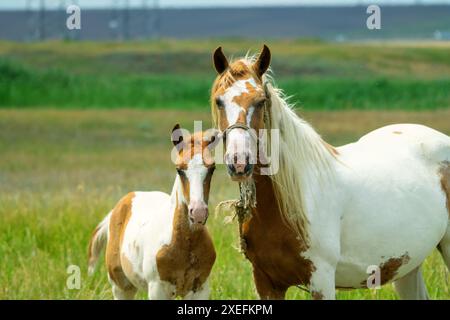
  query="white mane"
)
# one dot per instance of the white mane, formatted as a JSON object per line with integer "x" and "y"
{"x": 305, "y": 160}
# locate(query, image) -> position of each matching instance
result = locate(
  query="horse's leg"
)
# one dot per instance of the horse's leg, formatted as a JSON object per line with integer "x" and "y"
{"x": 412, "y": 286}
{"x": 322, "y": 283}
{"x": 265, "y": 288}
{"x": 444, "y": 247}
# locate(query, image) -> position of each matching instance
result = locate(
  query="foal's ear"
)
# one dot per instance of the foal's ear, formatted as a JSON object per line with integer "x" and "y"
{"x": 177, "y": 137}
{"x": 220, "y": 61}
{"x": 212, "y": 138}
{"x": 262, "y": 64}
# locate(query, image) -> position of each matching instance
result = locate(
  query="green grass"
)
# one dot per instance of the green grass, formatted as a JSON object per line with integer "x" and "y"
{"x": 178, "y": 74}
{"x": 61, "y": 171}
{"x": 20, "y": 86}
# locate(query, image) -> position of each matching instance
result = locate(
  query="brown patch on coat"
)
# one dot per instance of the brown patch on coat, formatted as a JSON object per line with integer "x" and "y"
{"x": 397, "y": 132}
{"x": 237, "y": 70}
{"x": 187, "y": 261}
{"x": 389, "y": 269}
{"x": 444, "y": 172}
{"x": 317, "y": 295}
{"x": 117, "y": 225}
{"x": 272, "y": 247}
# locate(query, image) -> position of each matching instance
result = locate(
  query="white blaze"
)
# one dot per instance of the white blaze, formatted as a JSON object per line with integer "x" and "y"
{"x": 196, "y": 173}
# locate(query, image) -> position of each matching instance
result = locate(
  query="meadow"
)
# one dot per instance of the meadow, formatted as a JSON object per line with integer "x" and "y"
{"x": 78, "y": 130}
{"x": 178, "y": 74}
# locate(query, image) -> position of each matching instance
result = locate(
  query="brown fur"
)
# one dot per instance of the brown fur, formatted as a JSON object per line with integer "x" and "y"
{"x": 272, "y": 247}
{"x": 118, "y": 222}
{"x": 389, "y": 269}
{"x": 444, "y": 172}
{"x": 236, "y": 71}
{"x": 187, "y": 261}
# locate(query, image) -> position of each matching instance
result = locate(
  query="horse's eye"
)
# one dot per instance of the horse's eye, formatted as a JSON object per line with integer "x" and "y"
{"x": 180, "y": 172}
{"x": 219, "y": 103}
{"x": 261, "y": 103}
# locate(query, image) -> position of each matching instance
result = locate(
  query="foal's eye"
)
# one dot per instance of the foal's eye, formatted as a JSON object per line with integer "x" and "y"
{"x": 219, "y": 103}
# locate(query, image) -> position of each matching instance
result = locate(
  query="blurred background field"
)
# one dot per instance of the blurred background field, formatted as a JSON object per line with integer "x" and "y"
{"x": 178, "y": 73}
{"x": 84, "y": 120}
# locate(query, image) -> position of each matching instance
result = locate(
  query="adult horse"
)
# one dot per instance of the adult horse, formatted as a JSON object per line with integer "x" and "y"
{"x": 329, "y": 214}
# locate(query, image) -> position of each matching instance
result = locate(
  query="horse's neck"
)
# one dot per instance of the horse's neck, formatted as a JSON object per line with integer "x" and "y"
{"x": 265, "y": 198}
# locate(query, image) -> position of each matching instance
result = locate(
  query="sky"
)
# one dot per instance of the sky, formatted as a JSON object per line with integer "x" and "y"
{"x": 22, "y": 4}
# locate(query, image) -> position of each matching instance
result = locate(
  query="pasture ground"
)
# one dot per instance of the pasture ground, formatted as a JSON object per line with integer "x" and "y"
{"x": 61, "y": 171}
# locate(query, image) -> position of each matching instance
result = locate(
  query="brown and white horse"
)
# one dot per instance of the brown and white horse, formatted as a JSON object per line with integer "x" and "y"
{"x": 331, "y": 214}
{"x": 159, "y": 242}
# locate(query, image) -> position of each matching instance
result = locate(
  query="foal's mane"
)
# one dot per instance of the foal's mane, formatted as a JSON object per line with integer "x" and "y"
{"x": 305, "y": 159}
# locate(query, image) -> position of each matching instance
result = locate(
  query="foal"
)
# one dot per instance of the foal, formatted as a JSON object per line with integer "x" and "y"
{"x": 159, "y": 242}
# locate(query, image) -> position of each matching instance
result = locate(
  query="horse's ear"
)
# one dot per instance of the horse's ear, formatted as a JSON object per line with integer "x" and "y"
{"x": 220, "y": 61}
{"x": 262, "y": 64}
{"x": 177, "y": 137}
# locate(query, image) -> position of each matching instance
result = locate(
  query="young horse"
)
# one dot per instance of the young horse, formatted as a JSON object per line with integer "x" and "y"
{"x": 157, "y": 242}
{"x": 330, "y": 215}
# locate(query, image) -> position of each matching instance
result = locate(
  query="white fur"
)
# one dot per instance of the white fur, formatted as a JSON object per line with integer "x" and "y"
{"x": 238, "y": 139}
{"x": 196, "y": 173}
{"x": 150, "y": 228}
{"x": 380, "y": 198}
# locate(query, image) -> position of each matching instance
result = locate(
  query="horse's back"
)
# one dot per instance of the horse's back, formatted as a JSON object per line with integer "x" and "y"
{"x": 420, "y": 141}
{"x": 396, "y": 209}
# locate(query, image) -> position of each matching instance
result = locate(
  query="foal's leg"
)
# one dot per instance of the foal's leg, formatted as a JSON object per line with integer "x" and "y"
{"x": 202, "y": 294}
{"x": 122, "y": 294}
{"x": 412, "y": 286}
{"x": 158, "y": 291}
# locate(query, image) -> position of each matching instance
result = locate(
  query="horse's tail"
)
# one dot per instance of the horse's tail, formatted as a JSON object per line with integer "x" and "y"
{"x": 97, "y": 243}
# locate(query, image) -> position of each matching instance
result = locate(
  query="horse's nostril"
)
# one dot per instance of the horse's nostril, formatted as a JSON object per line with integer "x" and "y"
{"x": 191, "y": 219}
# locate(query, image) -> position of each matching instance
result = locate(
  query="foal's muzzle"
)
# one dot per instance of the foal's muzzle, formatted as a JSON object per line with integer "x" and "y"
{"x": 198, "y": 213}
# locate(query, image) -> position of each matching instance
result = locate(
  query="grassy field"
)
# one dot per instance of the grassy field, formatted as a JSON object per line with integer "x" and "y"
{"x": 66, "y": 157}
{"x": 178, "y": 74}
{"x": 62, "y": 171}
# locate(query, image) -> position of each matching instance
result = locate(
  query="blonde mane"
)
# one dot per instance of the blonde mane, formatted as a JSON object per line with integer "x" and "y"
{"x": 305, "y": 158}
